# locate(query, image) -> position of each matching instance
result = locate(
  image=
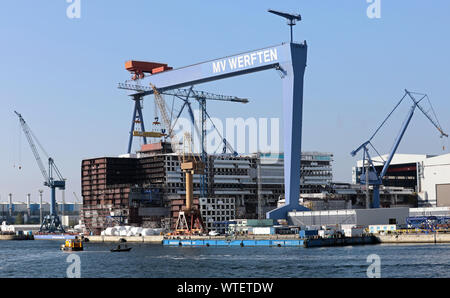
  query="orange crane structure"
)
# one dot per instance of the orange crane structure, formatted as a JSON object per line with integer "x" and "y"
{"x": 189, "y": 219}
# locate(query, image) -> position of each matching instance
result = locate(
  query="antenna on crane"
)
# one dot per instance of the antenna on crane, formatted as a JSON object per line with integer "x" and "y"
{"x": 292, "y": 18}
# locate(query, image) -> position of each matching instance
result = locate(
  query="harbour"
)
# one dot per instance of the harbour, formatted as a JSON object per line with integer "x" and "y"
{"x": 256, "y": 156}
{"x": 156, "y": 260}
{"x": 267, "y": 240}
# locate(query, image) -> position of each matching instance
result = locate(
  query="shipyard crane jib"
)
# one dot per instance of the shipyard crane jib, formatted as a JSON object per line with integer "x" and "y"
{"x": 371, "y": 176}
{"x": 51, "y": 222}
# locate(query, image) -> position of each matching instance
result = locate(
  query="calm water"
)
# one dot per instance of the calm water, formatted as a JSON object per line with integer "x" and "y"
{"x": 44, "y": 259}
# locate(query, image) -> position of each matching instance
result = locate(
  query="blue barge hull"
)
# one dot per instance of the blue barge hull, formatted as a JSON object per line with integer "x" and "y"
{"x": 242, "y": 243}
{"x": 54, "y": 237}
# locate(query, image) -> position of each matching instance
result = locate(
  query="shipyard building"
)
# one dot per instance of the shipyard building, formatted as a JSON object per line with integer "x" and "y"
{"x": 425, "y": 178}
{"x": 148, "y": 188}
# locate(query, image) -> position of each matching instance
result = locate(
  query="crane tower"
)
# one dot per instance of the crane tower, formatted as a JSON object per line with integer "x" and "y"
{"x": 51, "y": 222}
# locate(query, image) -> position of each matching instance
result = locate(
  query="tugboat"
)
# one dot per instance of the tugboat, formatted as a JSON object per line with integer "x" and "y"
{"x": 120, "y": 249}
{"x": 72, "y": 245}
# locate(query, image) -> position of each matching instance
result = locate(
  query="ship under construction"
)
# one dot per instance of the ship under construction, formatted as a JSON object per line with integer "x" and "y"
{"x": 148, "y": 188}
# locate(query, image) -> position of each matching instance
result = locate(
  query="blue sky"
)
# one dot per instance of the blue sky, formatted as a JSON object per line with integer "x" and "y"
{"x": 61, "y": 73}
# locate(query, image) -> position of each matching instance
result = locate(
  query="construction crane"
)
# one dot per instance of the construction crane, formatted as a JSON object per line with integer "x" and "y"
{"x": 189, "y": 219}
{"x": 370, "y": 176}
{"x": 51, "y": 222}
{"x": 184, "y": 94}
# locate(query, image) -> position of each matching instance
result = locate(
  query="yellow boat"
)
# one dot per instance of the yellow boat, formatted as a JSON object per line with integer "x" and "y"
{"x": 72, "y": 245}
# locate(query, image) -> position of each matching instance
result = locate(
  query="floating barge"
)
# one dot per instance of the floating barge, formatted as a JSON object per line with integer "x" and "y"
{"x": 54, "y": 236}
{"x": 241, "y": 243}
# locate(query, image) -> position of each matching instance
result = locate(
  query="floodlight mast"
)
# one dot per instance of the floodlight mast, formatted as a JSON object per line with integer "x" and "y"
{"x": 292, "y": 18}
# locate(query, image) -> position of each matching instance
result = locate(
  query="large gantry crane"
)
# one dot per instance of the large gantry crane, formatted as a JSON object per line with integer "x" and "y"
{"x": 289, "y": 60}
{"x": 51, "y": 222}
{"x": 370, "y": 176}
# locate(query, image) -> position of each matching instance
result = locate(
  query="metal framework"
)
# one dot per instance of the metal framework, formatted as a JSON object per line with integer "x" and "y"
{"x": 184, "y": 94}
{"x": 51, "y": 222}
{"x": 427, "y": 223}
{"x": 371, "y": 176}
{"x": 287, "y": 58}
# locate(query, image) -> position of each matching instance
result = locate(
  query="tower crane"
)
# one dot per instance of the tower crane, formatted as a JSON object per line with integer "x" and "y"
{"x": 51, "y": 222}
{"x": 184, "y": 94}
{"x": 189, "y": 220}
{"x": 371, "y": 176}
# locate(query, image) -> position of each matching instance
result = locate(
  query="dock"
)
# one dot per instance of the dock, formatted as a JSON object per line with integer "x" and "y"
{"x": 256, "y": 240}
{"x": 415, "y": 238}
{"x": 16, "y": 237}
{"x": 344, "y": 241}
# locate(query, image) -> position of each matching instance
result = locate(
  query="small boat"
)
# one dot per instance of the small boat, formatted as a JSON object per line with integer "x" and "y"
{"x": 120, "y": 249}
{"x": 72, "y": 245}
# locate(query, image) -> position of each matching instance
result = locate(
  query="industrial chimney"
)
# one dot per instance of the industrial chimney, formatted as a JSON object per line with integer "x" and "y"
{"x": 10, "y": 204}
{"x": 29, "y": 205}
{"x": 40, "y": 205}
